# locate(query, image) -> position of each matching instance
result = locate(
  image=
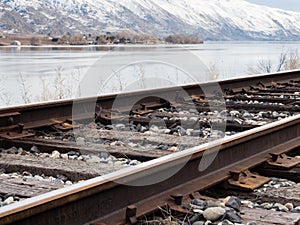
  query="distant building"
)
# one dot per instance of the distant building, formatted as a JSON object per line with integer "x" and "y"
{"x": 18, "y": 43}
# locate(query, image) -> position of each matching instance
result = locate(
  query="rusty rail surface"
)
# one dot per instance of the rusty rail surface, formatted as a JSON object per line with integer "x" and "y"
{"x": 106, "y": 199}
{"x": 45, "y": 114}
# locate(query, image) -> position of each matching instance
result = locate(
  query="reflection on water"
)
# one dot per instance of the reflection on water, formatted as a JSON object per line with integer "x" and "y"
{"x": 39, "y": 70}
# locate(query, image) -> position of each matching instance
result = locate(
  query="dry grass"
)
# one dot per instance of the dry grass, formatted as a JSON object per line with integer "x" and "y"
{"x": 25, "y": 87}
{"x": 62, "y": 86}
{"x": 213, "y": 72}
{"x": 4, "y": 96}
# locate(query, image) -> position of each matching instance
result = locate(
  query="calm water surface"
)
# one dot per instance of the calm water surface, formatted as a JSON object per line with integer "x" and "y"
{"x": 32, "y": 74}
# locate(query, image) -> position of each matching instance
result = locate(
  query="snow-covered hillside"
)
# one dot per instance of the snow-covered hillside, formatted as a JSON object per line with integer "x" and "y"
{"x": 208, "y": 19}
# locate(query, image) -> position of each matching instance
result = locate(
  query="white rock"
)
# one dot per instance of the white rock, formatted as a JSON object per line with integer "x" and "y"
{"x": 198, "y": 211}
{"x": 102, "y": 160}
{"x": 64, "y": 156}
{"x": 55, "y": 155}
{"x": 58, "y": 181}
{"x": 275, "y": 114}
{"x": 15, "y": 176}
{"x": 234, "y": 113}
{"x": 213, "y": 213}
{"x": 281, "y": 207}
{"x": 132, "y": 145}
{"x": 143, "y": 129}
{"x": 109, "y": 161}
{"x": 189, "y": 131}
{"x": 248, "y": 203}
{"x": 173, "y": 149}
{"x": 193, "y": 110}
{"x": 28, "y": 177}
{"x": 193, "y": 119}
{"x": 184, "y": 118}
{"x": 116, "y": 163}
{"x": 9, "y": 200}
{"x": 21, "y": 151}
{"x": 120, "y": 126}
{"x": 52, "y": 178}
{"x": 4, "y": 175}
{"x": 68, "y": 182}
{"x": 289, "y": 205}
{"x": 267, "y": 205}
{"x": 93, "y": 159}
{"x": 238, "y": 121}
{"x": 167, "y": 131}
{"x": 111, "y": 158}
{"x": 44, "y": 155}
{"x": 117, "y": 143}
{"x": 73, "y": 157}
{"x": 134, "y": 162}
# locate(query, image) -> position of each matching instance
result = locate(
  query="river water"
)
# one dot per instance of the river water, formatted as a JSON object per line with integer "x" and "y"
{"x": 35, "y": 74}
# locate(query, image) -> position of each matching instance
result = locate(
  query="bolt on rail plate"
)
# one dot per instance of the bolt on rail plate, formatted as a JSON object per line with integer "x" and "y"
{"x": 16, "y": 135}
{"x": 16, "y": 132}
{"x": 283, "y": 161}
{"x": 246, "y": 180}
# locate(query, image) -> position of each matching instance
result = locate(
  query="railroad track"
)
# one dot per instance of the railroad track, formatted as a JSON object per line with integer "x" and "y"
{"x": 257, "y": 115}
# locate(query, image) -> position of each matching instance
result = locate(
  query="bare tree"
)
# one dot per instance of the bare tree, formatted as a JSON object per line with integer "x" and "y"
{"x": 288, "y": 60}
{"x": 265, "y": 65}
{"x": 183, "y": 39}
{"x": 293, "y": 61}
{"x": 59, "y": 84}
{"x": 45, "y": 94}
{"x": 77, "y": 40}
{"x": 26, "y": 97}
{"x": 282, "y": 61}
{"x": 5, "y": 97}
{"x": 213, "y": 72}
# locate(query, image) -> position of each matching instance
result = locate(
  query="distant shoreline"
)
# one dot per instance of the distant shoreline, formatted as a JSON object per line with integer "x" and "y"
{"x": 93, "y": 46}
{"x": 110, "y": 39}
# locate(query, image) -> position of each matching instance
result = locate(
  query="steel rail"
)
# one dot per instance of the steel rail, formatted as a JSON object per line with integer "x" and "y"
{"x": 105, "y": 198}
{"x": 44, "y": 114}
